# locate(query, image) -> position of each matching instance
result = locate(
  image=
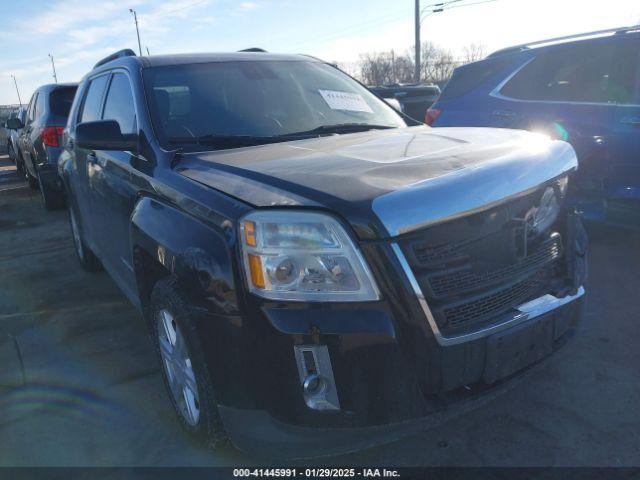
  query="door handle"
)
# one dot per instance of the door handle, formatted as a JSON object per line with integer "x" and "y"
{"x": 503, "y": 113}
{"x": 631, "y": 121}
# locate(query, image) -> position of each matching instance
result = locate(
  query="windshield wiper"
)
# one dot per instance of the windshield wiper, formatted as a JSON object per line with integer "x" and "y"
{"x": 342, "y": 128}
{"x": 228, "y": 141}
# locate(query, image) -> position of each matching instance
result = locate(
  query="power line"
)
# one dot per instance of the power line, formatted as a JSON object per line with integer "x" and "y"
{"x": 169, "y": 12}
{"x": 472, "y": 4}
{"x": 433, "y": 8}
{"x": 376, "y": 22}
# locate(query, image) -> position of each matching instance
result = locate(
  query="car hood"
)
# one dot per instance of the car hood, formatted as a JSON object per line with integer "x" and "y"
{"x": 387, "y": 182}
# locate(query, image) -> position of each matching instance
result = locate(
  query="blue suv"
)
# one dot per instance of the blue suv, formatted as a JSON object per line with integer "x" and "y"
{"x": 584, "y": 89}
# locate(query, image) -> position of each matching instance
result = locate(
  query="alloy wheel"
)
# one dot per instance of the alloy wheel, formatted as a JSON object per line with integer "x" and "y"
{"x": 178, "y": 368}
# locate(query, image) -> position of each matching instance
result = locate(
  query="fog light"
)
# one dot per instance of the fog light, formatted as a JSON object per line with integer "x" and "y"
{"x": 314, "y": 384}
{"x": 316, "y": 377}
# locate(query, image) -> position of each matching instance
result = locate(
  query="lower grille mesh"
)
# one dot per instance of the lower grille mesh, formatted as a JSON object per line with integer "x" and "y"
{"x": 458, "y": 281}
{"x": 478, "y": 310}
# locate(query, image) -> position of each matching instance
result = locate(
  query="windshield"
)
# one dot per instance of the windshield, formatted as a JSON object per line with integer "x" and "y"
{"x": 209, "y": 104}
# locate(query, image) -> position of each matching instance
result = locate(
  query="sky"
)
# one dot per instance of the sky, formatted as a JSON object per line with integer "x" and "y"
{"x": 78, "y": 33}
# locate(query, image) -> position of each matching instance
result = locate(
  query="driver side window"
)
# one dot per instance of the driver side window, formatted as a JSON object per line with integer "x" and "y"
{"x": 92, "y": 103}
{"x": 119, "y": 105}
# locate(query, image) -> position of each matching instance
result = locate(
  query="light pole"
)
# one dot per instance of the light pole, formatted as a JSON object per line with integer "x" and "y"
{"x": 17, "y": 91}
{"x": 434, "y": 8}
{"x": 416, "y": 72}
{"x": 135, "y": 19}
{"x": 53, "y": 65}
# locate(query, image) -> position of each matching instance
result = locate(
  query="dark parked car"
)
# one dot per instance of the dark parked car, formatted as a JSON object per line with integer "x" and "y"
{"x": 584, "y": 89}
{"x": 414, "y": 98}
{"x": 315, "y": 272}
{"x": 39, "y": 141}
{"x": 13, "y": 147}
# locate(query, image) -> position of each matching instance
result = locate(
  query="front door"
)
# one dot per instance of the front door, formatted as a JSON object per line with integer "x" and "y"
{"x": 90, "y": 110}
{"x": 112, "y": 194}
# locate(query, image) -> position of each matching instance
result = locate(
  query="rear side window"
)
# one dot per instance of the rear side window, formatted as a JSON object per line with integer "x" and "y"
{"x": 119, "y": 105}
{"x": 60, "y": 101}
{"x": 40, "y": 106}
{"x": 467, "y": 78}
{"x": 93, "y": 100}
{"x": 593, "y": 73}
{"x": 32, "y": 106}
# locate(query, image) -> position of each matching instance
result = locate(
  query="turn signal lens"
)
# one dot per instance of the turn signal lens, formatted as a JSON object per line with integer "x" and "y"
{"x": 255, "y": 265}
{"x": 250, "y": 233}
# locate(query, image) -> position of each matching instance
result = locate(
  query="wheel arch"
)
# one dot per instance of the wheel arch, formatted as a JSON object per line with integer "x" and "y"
{"x": 167, "y": 241}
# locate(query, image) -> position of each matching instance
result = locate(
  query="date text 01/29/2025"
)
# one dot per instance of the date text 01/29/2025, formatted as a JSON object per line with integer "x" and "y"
{"x": 316, "y": 472}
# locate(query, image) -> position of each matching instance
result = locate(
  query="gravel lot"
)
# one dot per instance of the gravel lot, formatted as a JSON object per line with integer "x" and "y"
{"x": 79, "y": 383}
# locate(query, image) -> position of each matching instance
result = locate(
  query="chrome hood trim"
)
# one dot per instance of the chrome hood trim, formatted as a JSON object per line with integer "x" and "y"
{"x": 535, "y": 161}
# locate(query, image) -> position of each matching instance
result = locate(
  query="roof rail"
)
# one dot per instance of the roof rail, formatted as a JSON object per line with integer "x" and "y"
{"x": 525, "y": 46}
{"x": 254, "y": 49}
{"x": 126, "y": 52}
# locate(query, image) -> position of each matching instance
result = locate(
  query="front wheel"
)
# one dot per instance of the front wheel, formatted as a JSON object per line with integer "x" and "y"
{"x": 184, "y": 368}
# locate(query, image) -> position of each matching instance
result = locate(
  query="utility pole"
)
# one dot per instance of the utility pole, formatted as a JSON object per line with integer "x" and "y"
{"x": 393, "y": 66}
{"x": 53, "y": 65}
{"x": 135, "y": 19}
{"x": 416, "y": 74}
{"x": 17, "y": 91}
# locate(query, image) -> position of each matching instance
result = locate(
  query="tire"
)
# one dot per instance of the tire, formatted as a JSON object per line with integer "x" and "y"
{"x": 31, "y": 180}
{"x": 172, "y": 317}
{"x": 52, "y": 199}
{"x": 12, "y": 154}
{"x": 88, "y": 260}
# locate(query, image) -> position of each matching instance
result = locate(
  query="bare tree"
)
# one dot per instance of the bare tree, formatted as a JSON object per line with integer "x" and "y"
{"x": 437, "y": 64}
{"x": 376, "y": 68}
{"x": 473, "y": 52}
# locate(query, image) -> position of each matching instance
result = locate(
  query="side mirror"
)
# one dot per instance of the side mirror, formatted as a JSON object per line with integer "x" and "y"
{"x": 14, "y": 124}
{"x": 104, "y": 135}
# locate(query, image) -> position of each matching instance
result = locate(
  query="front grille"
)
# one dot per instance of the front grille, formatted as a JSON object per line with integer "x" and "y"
{"x": 466, "y": 313}
{"x": 475, "y": 270}
{"x": 463, "y": 279}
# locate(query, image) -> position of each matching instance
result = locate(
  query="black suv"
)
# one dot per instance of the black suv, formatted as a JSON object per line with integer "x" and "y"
{"x": 317, "y": 275}
{"x": 414, "y": 99}
{"x": 40, "y": 139}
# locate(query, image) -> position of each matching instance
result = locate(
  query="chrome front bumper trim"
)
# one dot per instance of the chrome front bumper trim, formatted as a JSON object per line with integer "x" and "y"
{"x": 528, "y": 310}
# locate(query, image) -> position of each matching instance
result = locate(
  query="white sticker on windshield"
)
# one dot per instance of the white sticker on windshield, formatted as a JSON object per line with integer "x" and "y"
{"x": 352, "y": 102}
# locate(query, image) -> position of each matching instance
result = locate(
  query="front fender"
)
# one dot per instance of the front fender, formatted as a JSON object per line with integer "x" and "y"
{"x": 201, "y": 256}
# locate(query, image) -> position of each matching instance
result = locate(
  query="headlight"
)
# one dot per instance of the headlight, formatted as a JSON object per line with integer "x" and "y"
{"x": 303, "y": 256}
{"x": 547, "y": 212}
